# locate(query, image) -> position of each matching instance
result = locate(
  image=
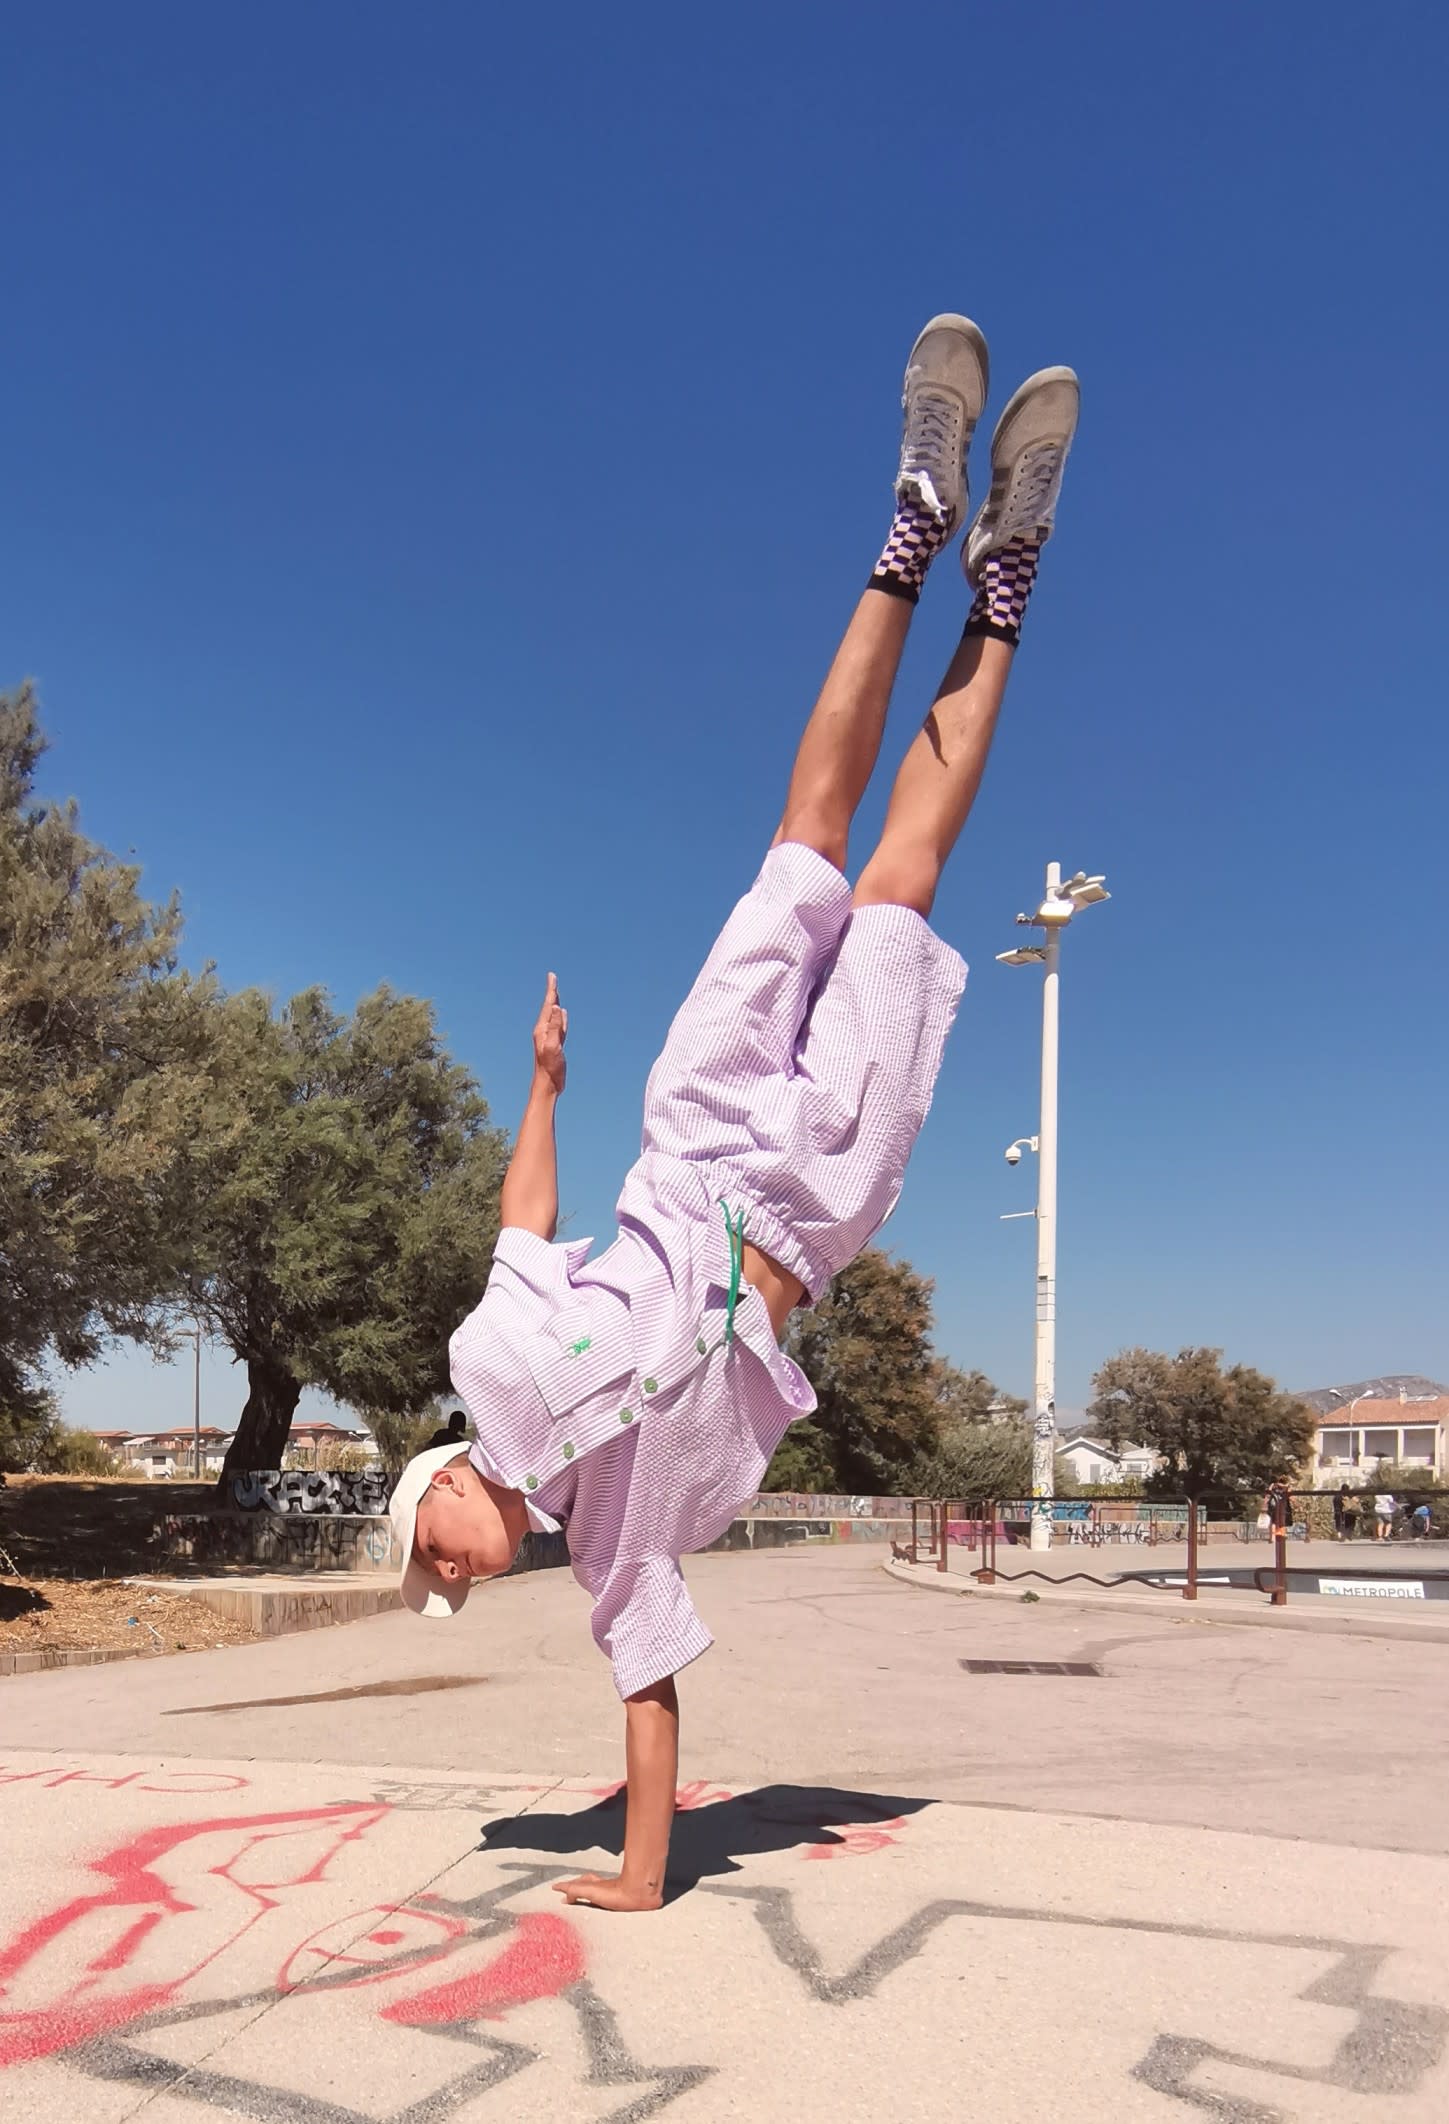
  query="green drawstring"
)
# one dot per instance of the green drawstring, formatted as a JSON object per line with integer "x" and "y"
{"x": 735, "y": 1226}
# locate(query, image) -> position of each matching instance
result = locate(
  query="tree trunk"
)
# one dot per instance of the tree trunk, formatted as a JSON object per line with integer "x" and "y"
{"x": 266, "y": 1421}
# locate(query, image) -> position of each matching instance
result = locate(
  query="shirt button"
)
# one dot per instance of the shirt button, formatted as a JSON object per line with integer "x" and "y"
{"x": 699, "y": 1345}
{"x": 568, "y": 1452}
{"x": 530, "y": 1482}
{"x": 626, "y": 1415}
{"x": 651, "y": 1386}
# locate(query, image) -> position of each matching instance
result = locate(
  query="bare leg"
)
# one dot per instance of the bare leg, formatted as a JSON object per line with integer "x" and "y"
{"x": 841, "y": 743}
{"x": 939, "y": 778}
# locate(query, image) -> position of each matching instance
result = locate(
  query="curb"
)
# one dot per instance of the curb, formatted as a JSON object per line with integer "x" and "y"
{"x": 277, "y": 1610}
{"x": 1345, "y": 1622}
{"x": 69, "y": 1656}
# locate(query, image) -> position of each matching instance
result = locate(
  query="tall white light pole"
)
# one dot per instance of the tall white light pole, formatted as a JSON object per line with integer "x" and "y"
{"x": 1062, "y": 901}
{"x": 196, "y": 1406}
{"x": 193, "y": 1336}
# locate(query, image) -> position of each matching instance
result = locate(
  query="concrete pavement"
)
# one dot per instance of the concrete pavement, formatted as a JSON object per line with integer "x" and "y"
{"x": 263, "y": 1890}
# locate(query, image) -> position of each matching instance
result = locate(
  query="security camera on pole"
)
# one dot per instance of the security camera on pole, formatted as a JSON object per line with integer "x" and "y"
{"x": 1056, "y": 910}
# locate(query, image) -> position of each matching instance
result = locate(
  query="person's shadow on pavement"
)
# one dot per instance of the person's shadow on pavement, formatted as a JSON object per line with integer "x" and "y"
{"x": 715, "y": 1837}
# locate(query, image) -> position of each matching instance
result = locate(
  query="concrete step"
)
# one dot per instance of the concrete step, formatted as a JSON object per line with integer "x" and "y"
{"x": 274, "y": 1606}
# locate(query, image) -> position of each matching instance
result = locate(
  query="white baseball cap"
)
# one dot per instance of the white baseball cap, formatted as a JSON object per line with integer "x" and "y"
{"x": 422, "y": 1590}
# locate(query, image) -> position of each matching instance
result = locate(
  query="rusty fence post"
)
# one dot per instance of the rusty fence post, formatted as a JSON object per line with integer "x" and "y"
{"x": 986, "y": 1575}
{"x": 915, "y": 1507}
{"x": 1278, "y": 1598}
{"x": 1189, "y": 1591}
{"x": 945, "y": 1519}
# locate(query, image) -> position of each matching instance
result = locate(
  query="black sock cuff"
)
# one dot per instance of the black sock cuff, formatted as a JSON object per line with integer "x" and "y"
{"x": 893, "y": 586}
{"x": 993, "y": 630}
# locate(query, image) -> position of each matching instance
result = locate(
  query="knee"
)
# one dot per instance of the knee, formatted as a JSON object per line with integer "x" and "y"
{"x": 898, "y": 879}
{"x": 816, "y": 829}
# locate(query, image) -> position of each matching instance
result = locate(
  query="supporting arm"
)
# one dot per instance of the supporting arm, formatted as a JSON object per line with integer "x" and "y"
{"x": 652, "y": 1756}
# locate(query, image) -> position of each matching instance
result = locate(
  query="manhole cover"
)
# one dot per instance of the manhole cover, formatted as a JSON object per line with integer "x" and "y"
{"x": 1032, "y": 1666}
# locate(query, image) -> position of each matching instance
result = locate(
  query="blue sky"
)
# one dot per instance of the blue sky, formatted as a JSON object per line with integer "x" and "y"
{"x": 442, "y": 445}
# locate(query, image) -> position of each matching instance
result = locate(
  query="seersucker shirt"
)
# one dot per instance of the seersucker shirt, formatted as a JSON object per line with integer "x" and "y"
{"x": 605, "y": 1391}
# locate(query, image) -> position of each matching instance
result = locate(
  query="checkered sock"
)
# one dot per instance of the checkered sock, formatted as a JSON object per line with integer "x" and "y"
{"x": 917, "y": 535}
{"x": 1006, "y": 579}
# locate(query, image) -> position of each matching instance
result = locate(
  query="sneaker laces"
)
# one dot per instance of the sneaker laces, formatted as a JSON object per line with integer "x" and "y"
{"x": 931, "y": 447}
{"x": 1032, "y": 495}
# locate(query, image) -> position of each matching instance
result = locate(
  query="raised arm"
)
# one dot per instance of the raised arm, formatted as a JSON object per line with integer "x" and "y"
{"x": 530, "y": 1187}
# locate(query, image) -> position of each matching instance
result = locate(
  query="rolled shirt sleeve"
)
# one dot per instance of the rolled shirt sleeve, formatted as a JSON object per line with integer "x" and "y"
{"x": 533, "y": 1273}
{"x": 529, "y": 1280}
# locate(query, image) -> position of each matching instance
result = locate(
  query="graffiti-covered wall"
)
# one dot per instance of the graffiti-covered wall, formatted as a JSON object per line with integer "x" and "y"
{"x": 816, "y": 1504}
{"x": 268, "y": 1490}
{"x": 265, "y": 1490}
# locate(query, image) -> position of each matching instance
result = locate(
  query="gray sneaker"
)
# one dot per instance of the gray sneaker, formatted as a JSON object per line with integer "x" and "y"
{"x": 1028, "y": 456}
{"x": 945, "y": 390}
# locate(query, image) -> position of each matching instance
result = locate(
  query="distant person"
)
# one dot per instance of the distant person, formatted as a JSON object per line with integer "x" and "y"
{"x": 1383, "y": 1515}
{"x": 1419, "y": 1520}
{"x": 1345, "y": 1514}
{"x": 453, "y": 1433}
{"x": 1278, "y": 1504}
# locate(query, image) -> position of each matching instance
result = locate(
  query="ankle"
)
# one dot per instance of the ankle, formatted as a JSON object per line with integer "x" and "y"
{"x": 1003, "y": 589}
{"x": 916, "y": 536}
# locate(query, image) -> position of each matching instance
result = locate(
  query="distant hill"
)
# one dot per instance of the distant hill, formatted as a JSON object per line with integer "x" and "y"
{"x": 1386, "y": 1386}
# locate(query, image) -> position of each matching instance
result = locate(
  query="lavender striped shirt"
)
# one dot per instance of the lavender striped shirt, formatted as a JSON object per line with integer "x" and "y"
{"x": 793, "y": 1084}
{"x": 591, "y": 1394}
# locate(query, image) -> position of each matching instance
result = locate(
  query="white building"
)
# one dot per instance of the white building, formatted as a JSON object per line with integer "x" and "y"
{"x": 167, "y": 1455}
{"x": 1092, "y": 1460}
{"x": 1358, "y": 1430}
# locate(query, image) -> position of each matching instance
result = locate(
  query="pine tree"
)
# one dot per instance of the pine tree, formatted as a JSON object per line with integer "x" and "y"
{"x": 102, "y": 1073}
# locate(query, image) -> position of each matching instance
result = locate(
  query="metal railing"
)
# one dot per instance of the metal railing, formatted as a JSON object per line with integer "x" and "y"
{"x": 939, "y": 1524}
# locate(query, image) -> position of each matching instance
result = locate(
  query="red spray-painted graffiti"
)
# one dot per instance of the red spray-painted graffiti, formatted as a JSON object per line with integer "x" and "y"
{"x": 858, "y": 1842}
{"x": 93, "y": 1975}
{"x": 544, "y": 1956}
{"x": 370, "y": 1945}
{"x": 686, "y": 1797}
{"x": 203, "y": 1884}
{"x": 192, "y": 1783}
{"x": 173, "y": 1901}
{"x": 103, "y": 1973}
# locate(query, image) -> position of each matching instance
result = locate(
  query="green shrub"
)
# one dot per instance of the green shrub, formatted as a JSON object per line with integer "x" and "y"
{"x": 70, "y": 1452}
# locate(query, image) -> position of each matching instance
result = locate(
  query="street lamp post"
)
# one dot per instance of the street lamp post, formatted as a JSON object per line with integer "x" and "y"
{"x": 1354, "y": 1457}
{"x": 196, "y": 1407}
{"x": 193, "y": 1336}
{"x": 1062, "y": 901}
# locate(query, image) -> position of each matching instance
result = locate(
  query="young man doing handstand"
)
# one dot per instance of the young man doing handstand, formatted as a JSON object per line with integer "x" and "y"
{"x": 636, "y": 1399}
